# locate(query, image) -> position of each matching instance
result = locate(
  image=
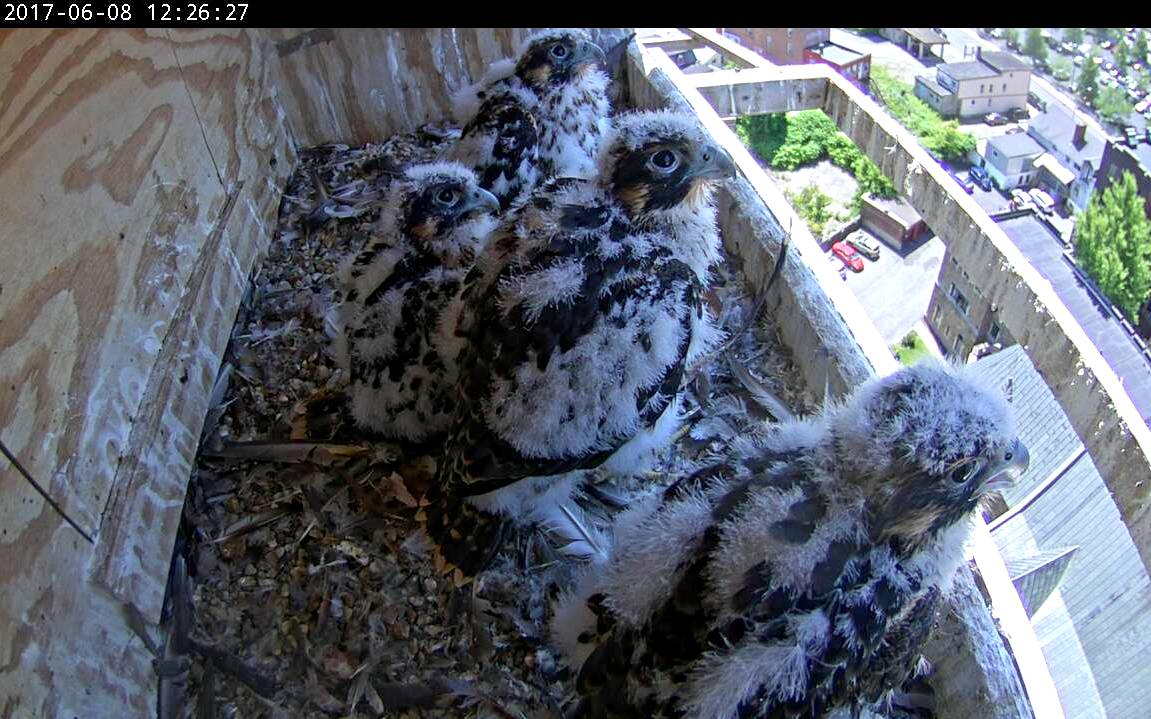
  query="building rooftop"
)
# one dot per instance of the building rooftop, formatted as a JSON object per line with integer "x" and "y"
{"x": 1043, "y": 426}
{"x": 1057, "y": 126}
{"x": 1044, "y": 250}
{"x": 1061, "y": 173}
{"x": 1004, "y": 61}
{"x": 1070, "y": 506}
{"x": 925, "y": 35}
{"x": 1019, "y": 144}
{"x": 1143, "y": 153}
{"x": 896, "y": 207}
{"x": 836, "y": 54}
{"x": 967, "y": 70}
{"x": 933, "y": 85}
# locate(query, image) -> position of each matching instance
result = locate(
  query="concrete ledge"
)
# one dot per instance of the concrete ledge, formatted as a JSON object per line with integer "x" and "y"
{"x": 821, "y": 320}
{"x": 1086, "y": 387}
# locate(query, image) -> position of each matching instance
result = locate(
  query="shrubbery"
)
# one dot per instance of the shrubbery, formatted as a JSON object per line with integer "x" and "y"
{"x": 786, "y": 141}
{"x": 942, "y": 137}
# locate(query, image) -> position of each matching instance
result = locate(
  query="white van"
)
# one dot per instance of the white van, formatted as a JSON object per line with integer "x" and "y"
{"x": 1043, "y": 200}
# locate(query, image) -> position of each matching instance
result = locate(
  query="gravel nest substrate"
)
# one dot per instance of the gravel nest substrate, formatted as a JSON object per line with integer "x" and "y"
{"x": 302, "y": 586}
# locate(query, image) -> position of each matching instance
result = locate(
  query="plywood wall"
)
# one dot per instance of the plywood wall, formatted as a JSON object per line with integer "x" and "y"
{"x": 136, "y": 186}
{"x": 140, "y": 173}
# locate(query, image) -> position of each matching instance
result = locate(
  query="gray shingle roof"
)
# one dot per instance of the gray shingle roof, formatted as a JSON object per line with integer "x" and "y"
{"x": 1043, "y": 250}
{"x": 1058, "y": 127}
{"x": 1019, "y": 144}
{"x": 1101, "y": 612}
{"x": 1043, "y": 426}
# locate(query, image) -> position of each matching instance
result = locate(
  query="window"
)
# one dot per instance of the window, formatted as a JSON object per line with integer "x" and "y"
{"x": 958, "y": 342}
{"x": 960, "y": 301}
{"x": 993, "y": 333}
{"x": 981, "y": 89}
{"x": 1004, "y": 87}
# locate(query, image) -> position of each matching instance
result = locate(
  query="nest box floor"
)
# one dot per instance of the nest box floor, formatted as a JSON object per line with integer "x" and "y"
{"x": 301, "y": 587}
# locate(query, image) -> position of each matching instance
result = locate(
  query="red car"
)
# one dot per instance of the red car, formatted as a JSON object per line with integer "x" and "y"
{"x": 847, "y": 253}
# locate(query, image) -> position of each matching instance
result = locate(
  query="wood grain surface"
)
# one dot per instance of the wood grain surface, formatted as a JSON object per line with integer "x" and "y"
{"x": 140, "y": 173}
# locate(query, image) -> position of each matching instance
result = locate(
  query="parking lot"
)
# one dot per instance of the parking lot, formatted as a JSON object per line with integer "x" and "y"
{"x": 895, "y": 290}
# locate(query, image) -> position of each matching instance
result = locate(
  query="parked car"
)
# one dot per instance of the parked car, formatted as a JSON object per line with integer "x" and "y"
{"x": 1016, "y": 114}
{"x": 1021, "y": 200}
{"x": 838, "y": 266}
{"x": 1143, "y": 105}
{"x": 847, "y": 253}
{"x": 1036, "y": 100}
{"x": 965, "y": 182}
{"x": 980, "y": 177}
{"x": 994, "y": 118}
{"x": 867, "y": 246}
{"x": 1043, "y": 200}
{"x": 1132, "y": 136}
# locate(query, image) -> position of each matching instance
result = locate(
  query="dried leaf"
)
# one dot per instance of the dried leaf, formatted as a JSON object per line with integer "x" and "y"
{"x": 400, "y": 491}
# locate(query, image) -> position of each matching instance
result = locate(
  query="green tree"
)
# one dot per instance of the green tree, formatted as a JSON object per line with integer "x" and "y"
{"x": 1113, "y": 245}
{"x": 1139, "y": 49}
{"x": 812, "y": 205}
{"x": 1106, "y": 33}
{"x": 1073, "y": 34}
{"x": 1088, "y": 85}
{"x": 1061, "y": 68}
{"x": 1122, "y": 56}
{"x": 1034, "y": 45}
{"x": 1011, "y": 36}
{"x": 943, "y": 137}
{"x": 1112, "y": 105}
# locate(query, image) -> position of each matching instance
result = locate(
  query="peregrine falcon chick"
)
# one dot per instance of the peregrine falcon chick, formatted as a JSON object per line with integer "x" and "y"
{"x": 558, "y": 79}
{"x": 576, "y": 324}
{"x": 433, "y": 224}
{"x": 502, "y": 144}
{"x": 798, "y": 575}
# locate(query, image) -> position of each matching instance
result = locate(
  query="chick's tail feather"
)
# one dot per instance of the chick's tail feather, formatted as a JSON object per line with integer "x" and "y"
{"x": 466, "y": 537}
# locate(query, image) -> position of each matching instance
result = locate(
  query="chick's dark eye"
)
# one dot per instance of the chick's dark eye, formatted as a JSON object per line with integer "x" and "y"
{"x": 447, "y": 197}
{"x": 959, "y": 474}
{"x": 664, "y": 160}
{"x": 559, "y": 52}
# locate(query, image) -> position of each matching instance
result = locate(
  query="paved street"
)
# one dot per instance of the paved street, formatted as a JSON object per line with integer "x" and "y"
{"x": 895, "y": 291}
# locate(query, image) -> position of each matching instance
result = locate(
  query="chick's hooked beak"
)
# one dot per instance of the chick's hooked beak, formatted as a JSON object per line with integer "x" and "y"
{"x": 714, "y": 164}
{"x": 1004, "y": 470}
{"x": 481, "y": 200}
{"x": 588, "y": 55}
